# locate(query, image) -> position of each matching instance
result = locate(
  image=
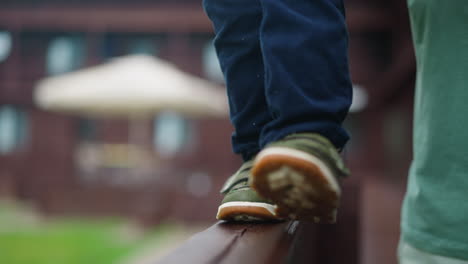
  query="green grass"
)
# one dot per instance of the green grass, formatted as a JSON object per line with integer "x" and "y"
{"x": 71, "y": 242}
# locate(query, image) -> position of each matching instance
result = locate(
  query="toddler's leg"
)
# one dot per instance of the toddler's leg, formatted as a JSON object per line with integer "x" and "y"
{"x": 236, "y": 24}
{"x": 308, "y": 91}
{"x": 237, "y": 42}
{"x": 308, "y": 88}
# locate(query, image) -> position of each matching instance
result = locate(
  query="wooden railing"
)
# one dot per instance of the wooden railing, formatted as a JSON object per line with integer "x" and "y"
{"x": 274, "y": 243}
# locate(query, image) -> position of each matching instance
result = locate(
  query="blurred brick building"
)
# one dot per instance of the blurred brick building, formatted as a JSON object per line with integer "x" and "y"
{"x": 39, "y": 157}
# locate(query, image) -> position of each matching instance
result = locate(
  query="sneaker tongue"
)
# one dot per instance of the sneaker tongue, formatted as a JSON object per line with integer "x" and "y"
{"x": 240, "y": 176}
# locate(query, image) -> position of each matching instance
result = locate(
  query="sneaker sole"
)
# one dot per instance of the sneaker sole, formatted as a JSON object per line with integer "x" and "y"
{"x": 247, "y": 212}
{"x": 300, "y": 184}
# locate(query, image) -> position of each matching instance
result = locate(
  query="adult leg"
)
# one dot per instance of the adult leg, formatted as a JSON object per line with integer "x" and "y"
{"x": 408, "y": 254}
{"x": 434, "y": 209}
{"x": 307, "y": 83}
{"x": 236, "y": 24}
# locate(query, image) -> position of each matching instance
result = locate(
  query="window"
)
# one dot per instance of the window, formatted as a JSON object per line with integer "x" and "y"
{"x": 116, "y": 45}
{"x": 13, "y": 128}
{"x": 5, "y": 45}
{"x": 172, "y": 134}
{"x": 65, "y": 54}
{"x": 211, "y": 66}
{"x": 142, "y": 46}
{"x": 87, "y": 130}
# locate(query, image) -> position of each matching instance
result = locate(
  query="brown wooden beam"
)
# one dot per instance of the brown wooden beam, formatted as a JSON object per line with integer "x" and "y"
{"x": 369, "y": 19}
{"x": 393, "y": 82}
{"x": 154, "y": 18}
{"x": 275, "y": 243}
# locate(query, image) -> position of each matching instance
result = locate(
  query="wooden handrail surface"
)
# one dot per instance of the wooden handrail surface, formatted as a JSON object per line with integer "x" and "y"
{"x": 273, "y": 243}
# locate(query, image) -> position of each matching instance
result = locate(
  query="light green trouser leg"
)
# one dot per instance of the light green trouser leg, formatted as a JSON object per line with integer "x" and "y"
{"x": 410, "y": 255}
{"x": 434, "y": 216}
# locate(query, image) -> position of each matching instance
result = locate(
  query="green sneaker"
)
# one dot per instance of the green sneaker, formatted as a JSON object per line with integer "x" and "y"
{"x": 300, "y": 175}
{"x": 241, "y": 203}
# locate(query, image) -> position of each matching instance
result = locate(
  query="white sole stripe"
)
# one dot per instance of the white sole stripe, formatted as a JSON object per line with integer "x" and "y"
{"x": 288, "y": 152}
{"x": 269, "y": 207}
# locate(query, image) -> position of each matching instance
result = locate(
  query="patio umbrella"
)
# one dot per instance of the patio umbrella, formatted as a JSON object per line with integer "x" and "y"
{"x": 136, "y": 86}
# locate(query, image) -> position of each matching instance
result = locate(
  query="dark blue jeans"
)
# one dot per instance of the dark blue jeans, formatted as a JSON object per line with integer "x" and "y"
{"x": 286, "y": 68}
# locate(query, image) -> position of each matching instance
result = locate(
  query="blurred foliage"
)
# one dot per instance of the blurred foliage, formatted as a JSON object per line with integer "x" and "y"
{"x": 27, "y": 239}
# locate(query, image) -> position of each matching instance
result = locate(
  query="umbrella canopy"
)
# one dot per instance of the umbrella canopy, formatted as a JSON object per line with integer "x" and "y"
{"x": 131, "y": 86}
